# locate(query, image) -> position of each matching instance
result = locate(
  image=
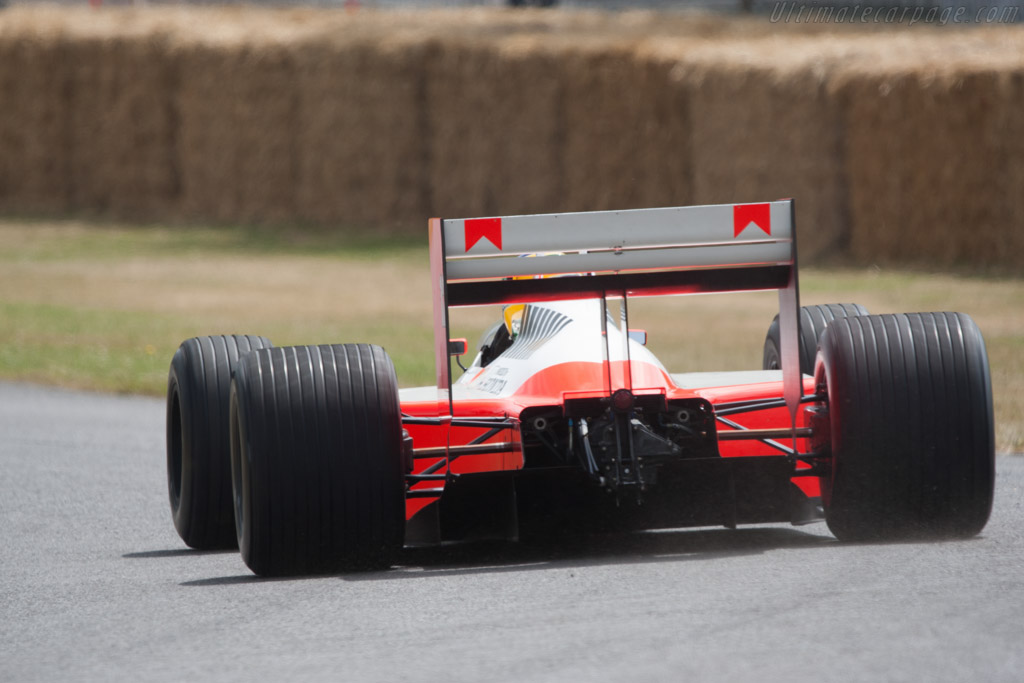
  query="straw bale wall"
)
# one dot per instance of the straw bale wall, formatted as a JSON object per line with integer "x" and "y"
{"x": 628, "y": 128}
{"x": 361, "y": 136}
{"x": 769, "y": 130}
{"x": 898, "y": 145}
{"x": 935, "y": 165}
{"x": 494, "y": 122}
{"x": 33, "y": 122}
{"x": 120, "y": 125}
{"x": 236, "y": 146}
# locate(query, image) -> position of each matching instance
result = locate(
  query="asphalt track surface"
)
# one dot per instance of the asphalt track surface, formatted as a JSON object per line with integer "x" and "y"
{"x": 96, "y": 586}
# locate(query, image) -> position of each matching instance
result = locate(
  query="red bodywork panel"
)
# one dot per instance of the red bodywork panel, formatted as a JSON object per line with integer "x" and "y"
{"x": 549, "y": 388}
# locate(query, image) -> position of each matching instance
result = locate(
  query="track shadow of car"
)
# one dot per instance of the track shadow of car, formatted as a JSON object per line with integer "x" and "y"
{"x": 241, "y": 579}
{"x": 590, "y": 550}
{"x": 174, "y": 552}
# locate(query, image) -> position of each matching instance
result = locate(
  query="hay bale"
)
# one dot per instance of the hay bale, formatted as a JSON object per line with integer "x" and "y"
{"x": 933, "y": 158}
{"x": 33, "y": 121}
{"x": 461, "y": 106}
{"x": 120, "y": 141}
{"x": 1010, "y": 133}
{"x": 764, "y": 128}
{"x": 237, "y": 126}
{"x": 526, "y": 166}
{"x": 361, "y": 138}
{"x": 494, "y": 122}
{"x": 627, "y": 131}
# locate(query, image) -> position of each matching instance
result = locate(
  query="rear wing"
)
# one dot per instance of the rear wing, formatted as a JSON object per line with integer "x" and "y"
{"x": 645, "y": 252}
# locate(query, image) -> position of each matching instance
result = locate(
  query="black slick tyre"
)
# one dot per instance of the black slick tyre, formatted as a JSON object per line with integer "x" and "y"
{"x": 813, "y": 321}
{"x": 910, "y": 427}
{"x": 317, "y": 460}
{"x": 198, "y": 455}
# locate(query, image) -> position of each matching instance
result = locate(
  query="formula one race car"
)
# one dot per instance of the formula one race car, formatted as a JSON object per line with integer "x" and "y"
{"x": 312, "y": 459}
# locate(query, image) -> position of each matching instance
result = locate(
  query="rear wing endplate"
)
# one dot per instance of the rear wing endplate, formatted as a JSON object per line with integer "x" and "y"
{"x": 645, "y": 252}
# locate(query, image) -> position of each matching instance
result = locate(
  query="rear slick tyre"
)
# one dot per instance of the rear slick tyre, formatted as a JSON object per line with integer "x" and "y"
{"x": 198, "y": 457}
{"x": 317, "y": 460}
{"x": 910, "y": 421}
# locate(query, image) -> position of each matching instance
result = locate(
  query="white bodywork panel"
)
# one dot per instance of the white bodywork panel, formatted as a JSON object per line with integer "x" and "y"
{"x": 553, "y": 333}
{"x": 705, "y": 380}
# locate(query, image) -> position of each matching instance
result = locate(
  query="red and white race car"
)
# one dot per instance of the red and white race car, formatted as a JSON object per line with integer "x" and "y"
{"x": 312, "y": 459}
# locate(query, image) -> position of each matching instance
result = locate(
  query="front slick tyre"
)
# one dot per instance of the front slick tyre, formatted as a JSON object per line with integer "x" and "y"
{"x": 316, "y": 458}
{"x": 910, "y": 414}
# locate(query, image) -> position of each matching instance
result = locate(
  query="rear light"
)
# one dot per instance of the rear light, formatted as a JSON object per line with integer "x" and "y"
{"x": 622, "y": 400}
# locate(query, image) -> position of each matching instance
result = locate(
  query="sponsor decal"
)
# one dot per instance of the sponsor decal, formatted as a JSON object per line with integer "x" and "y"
{"x": 493, "y": 385}
{"x": 745, "y": 214}
{"x": 477, "y": 229}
